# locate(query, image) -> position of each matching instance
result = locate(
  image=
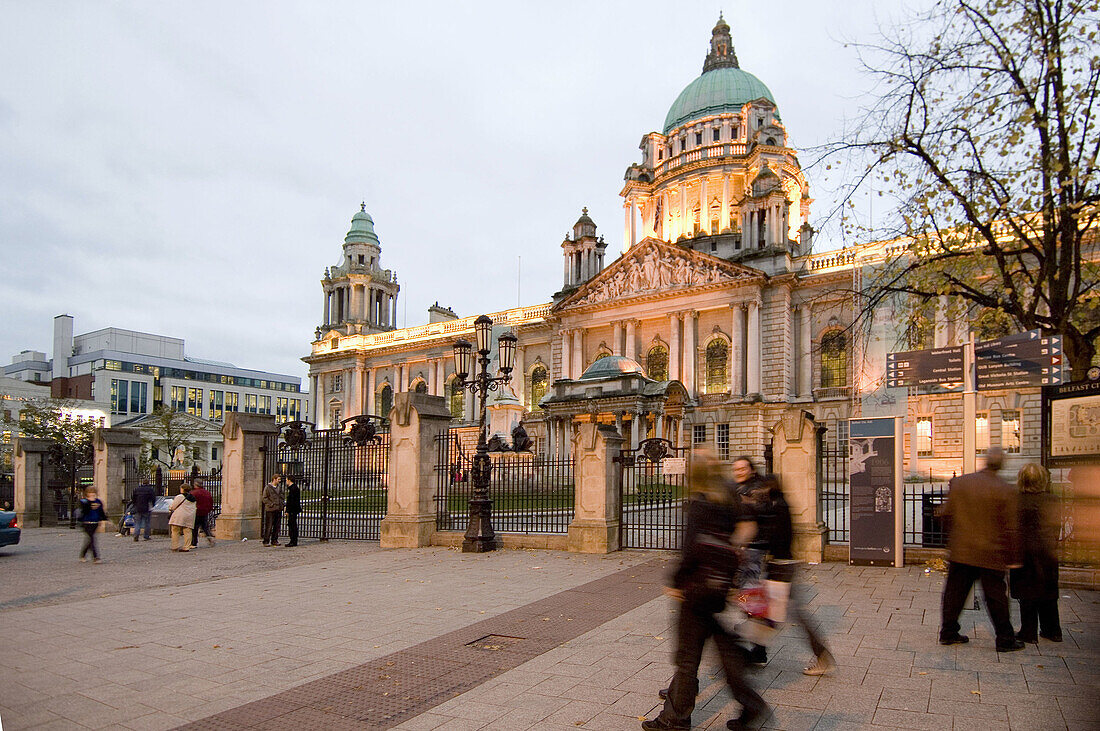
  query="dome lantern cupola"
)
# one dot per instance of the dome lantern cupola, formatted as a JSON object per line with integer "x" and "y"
{"x": 722, "y": 55}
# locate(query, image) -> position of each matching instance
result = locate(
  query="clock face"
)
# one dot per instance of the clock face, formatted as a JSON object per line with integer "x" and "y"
{"x": 1093, "y": 373}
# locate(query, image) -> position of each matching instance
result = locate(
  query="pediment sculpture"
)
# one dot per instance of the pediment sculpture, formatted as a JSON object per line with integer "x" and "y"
{"x": 649, "y": 271}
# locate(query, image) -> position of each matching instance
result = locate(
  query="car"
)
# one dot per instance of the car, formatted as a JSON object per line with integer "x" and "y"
{"x": 9, "y": 528}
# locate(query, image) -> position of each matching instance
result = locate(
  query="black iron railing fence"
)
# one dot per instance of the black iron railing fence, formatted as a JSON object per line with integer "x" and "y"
{"x": 530, "y": 493}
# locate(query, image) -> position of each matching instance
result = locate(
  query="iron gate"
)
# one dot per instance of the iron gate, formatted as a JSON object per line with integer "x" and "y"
{"x": 341, "y": 472}
{"x": 652, "y": 492}
{"x": 530, "y": 493}
{"x": 832, "y": 488}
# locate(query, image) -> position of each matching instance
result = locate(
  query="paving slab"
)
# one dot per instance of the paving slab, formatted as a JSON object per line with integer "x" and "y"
{"x": 242, "y": 636}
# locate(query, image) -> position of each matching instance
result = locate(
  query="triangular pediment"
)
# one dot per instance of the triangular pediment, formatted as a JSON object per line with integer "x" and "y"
{"x": 653, "y": 266}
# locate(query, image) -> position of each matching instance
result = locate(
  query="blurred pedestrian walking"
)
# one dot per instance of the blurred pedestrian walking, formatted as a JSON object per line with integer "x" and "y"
{"x": 708, "y": 562}
{"x": 273, "y": 510}
{"x": 773, "y": 516}
{"x": 1035, "y": 583}
{"x": 293, "y": 507}
{"x": 92, "y": 513}
{"x": 983, "y": 541}
{"x": 181, "y": 519}
{"x": 141, "y": 504}
{"x": 204, "y": 505}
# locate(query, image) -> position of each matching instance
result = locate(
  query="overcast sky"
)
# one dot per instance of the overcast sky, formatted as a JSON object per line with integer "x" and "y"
{"x": 191, "y": 168}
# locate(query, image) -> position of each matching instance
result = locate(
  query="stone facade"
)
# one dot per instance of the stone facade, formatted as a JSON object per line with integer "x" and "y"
{"x": 716, "y": 288}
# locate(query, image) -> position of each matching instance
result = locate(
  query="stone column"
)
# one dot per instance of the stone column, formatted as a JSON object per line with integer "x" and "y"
{"x": 626, "y": 226}
{"x": 737, "y": 387}
{"x": 401, "y": 385}
{"x": 637, "y": 429}
{"x": 372, "y": 385}
{"x": 805, "y": 346}
{"x": 566, "y": 356}
{"x": 724, "y": 214}
{"x": 328, "y": 301}
{"x": 551, "y": 439}
{"x": 30, "y": 458}
{"x": 633, "y": 220}
{"x": 314, "y": 398}
{"x": 688, "y": 375}
{"x": 704, "y": 207}
{"x": 243, "y": 474}
{"x": 628, "y": 350}
{"x": 616, "y": 338}
{"x": 577, "y": 368}
{"x": 595, "y": 526}
{"x": 393, "y": 303}
{"x": 659, "y": 424}
{"x": 113, "y": 447}
{"x": 415, "y": 422}
{"x": 519, "y": 375}
{"x": 674, "y": 353}
{"x": 753, "y": 359}
{"x": 683, "y": 210}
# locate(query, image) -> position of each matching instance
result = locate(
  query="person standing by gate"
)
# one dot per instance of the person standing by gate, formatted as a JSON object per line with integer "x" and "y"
{"x": 204, "y": 505}
{"x": 983, "y": 541}
{"x": 181, "y": 520}
{"x": 293, "y": 507}
{"x": 273, "y": 511}
{"x": 1035, "y": 583}
{"x": 142, "y": 504}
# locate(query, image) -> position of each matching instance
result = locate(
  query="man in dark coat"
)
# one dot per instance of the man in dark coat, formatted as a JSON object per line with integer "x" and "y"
{"x": 142, "y": 507}
{"x": 983, "y": 542}
{"x": 293, "y": 507}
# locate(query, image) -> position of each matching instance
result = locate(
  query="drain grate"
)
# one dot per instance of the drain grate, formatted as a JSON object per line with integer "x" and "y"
{"x": 494, "y": 642}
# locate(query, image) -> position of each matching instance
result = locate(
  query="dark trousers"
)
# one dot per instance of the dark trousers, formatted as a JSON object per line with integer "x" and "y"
{"x": 271, "y": 525}
{"x": 694, "y": 625}
{"x": 200, "y": 523}
{"x": 1039, "y": 614}
{"x": 960, "y": 577}
{"x": 89, "y": 540}
{"x": 292, "y": 528}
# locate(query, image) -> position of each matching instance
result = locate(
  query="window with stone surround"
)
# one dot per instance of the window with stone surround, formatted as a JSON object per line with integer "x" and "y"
{"x": 420, "y": 387}
{"x": 716, "y": 134}
{"x": 656, "y": 363}
{"x": 924, "y": 436}
{"x": 1011, "y": 438}
{"x": 385, "y": 400}
{"x": 722, "y": 440}
{"x": 981, "y": 432}
{"x": 537, "y": 383}
{"x": 718, "y": 380}
{"x": 834, "y": 359}
{"x": 335, "y": 383}
{"x": 456, "y": 399}
{"x": 698, "y": 434}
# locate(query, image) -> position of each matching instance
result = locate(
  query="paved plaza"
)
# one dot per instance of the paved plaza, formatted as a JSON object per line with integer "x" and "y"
{"x": 346, "y": 635}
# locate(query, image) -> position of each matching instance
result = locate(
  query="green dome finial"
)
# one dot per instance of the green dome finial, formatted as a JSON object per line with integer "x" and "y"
{"x": 362, "y": 228}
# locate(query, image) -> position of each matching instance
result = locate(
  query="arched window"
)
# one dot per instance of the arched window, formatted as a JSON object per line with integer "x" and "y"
{"x": 456, "y": 399}
{"x": 656, "y": 363}
{"x": 834, "y": 359}
{"x": 540, "y": 380}
{"x": 600, "y": 356}
{"x": 421, "y": 387}
{"x": 718, "y": 352}
{"x": 385, "y": 400}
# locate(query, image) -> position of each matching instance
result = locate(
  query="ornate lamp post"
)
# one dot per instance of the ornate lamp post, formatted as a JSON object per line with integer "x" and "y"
{"x": 480, "y": 536}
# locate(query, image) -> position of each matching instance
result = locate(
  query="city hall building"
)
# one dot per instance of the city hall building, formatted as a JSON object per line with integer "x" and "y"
{"x": 717, "y": 319}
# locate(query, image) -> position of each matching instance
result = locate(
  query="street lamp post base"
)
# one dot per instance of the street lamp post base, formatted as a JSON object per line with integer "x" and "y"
{"x": 480, "y": 537}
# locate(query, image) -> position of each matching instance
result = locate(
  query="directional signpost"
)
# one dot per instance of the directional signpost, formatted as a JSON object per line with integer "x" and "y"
{"x": 1019, "y": 361}
{"x": 935, "y": 367}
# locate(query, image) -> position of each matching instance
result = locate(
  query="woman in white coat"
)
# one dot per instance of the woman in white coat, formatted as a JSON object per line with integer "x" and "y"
{"x": 181, "y": 520}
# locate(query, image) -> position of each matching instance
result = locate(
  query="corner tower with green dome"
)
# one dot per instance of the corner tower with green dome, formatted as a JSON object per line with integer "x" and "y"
{"x": 720, "y": 177}
{"x": 360, "y": 296}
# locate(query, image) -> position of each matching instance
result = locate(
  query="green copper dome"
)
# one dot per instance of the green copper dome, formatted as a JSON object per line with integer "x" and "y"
{"x": 716, "y": 91}
{"x": 362, "y": 229}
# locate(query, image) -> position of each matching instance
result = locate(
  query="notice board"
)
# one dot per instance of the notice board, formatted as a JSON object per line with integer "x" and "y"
{"x": 875, "y": 492}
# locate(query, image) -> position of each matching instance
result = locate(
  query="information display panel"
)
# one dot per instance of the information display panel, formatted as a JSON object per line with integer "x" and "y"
{"x": 875, "y": 493}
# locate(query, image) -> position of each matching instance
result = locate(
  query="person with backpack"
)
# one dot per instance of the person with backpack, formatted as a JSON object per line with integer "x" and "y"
{"x": 715, "y": 526}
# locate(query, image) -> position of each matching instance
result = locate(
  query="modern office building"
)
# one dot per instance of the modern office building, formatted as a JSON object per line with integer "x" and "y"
{"x": 134, "y": 372}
